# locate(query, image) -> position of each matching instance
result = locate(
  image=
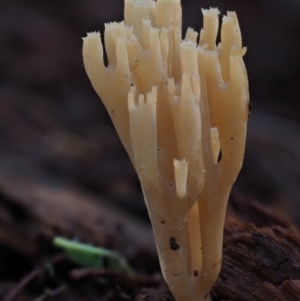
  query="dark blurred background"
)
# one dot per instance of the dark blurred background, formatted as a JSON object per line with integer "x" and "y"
{"x": 54, "y": 129}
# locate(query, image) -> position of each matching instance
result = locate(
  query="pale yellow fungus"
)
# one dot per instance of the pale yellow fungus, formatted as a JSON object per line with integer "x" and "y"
{"x": 181, "y": 110}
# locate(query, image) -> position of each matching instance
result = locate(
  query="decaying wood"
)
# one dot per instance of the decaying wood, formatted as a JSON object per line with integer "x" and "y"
{"x": 260, "y": 262}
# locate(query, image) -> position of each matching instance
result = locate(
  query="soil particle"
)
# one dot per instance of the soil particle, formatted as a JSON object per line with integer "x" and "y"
{"x": 173, "y": 244}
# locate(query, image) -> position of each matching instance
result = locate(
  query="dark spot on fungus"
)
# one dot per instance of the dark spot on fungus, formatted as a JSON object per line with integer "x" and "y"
{"x": 195, "y": 273}
{"x": 230, "y": 154}
{"x": 112, "y": 111}
{"x": 220, "y": 156}
{"x": 206, "y": 295}
{"x": 231, "y": 138}
{"x": 189, "y": 200}
{"x": 131, "y": 84}
{"x": 162, "y": 222}
{"x": 250, "y": 106}
{"x": 173, "y": 244}
{"x": 170, "y": 185}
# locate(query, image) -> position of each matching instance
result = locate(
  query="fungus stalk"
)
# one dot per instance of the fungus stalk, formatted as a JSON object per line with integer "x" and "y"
{"x": 180, "y": 108}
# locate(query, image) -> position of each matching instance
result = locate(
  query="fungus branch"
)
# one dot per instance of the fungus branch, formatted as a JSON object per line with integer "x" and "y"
{"x": 181, "y": 110}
